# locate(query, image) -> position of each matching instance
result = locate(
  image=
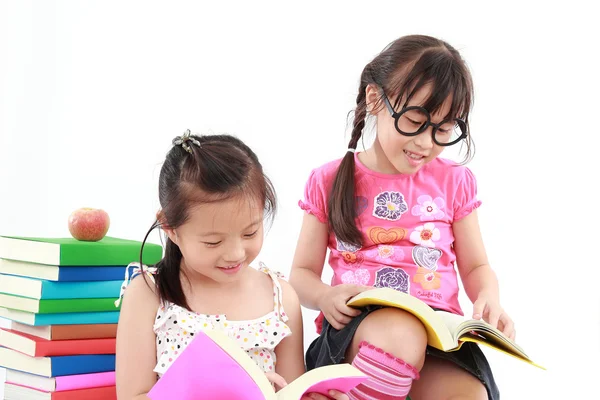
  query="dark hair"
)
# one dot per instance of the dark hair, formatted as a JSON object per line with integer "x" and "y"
{"x": 401, "y": 69}
{"x": 219, "y": 168}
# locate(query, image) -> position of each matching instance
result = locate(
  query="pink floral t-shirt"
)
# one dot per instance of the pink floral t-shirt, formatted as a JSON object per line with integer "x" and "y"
{"x": 406, "y": 221}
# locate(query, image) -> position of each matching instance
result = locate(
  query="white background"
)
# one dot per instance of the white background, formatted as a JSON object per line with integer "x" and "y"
{"x": 93, "y": 92}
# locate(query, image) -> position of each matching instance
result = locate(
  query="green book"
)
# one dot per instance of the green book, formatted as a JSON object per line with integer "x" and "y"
{"x": 70, "y": 251}
{"x": 56, "y": 306}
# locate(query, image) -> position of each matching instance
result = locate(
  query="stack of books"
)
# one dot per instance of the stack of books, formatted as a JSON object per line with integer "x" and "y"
{"x": 59, "y": 296}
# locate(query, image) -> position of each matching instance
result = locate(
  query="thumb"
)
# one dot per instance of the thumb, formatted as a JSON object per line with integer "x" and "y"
{"x": 276, "y": 379}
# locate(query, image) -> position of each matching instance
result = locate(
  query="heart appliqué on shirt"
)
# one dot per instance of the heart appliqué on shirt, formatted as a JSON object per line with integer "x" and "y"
{"x": 379, "y": 235}
{"x": 426, "y": 257}
{"x": 356, "y": 277}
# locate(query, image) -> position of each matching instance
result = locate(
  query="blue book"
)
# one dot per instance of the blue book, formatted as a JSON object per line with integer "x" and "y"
{"x": 62, "y": 274}
{"x": 75, "y": 318}
{"x": 56, "y": 365}
{"x": 43, "y": 289}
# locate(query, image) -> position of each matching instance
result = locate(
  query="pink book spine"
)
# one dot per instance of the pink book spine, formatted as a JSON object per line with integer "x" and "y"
{"x": 85, "y": 381}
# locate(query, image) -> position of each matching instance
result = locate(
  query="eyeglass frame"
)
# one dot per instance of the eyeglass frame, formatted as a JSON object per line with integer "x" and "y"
{"x": 396, "y": 115}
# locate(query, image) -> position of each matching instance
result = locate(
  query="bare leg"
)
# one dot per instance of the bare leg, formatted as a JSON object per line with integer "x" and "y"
{"x": 443, "y": 380}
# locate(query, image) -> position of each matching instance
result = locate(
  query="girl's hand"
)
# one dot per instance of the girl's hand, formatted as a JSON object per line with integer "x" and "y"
{"x": 488, "y": 307}
{"x": 279, "y": 383}
{"x": 333, "y": 394}
{"x": 333, "y": 304}
{"x": 276, "y": 380}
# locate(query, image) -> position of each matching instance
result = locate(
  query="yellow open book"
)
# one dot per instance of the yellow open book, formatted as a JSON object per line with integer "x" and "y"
{"x": 213, "y": 366}
{"x": 445, "y": 331}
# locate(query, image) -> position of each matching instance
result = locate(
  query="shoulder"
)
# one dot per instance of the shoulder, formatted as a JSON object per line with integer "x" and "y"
{"x": 289, "y": 297}
{"x": 141, "y": 293}
{"x": 326, "y": 172}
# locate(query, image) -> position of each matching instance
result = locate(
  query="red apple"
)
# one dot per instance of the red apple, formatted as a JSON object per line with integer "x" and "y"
{"x": 89, "y": 224}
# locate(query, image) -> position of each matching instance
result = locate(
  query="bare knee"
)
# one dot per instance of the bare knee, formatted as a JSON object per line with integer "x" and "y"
{"x": 395, "y": 331}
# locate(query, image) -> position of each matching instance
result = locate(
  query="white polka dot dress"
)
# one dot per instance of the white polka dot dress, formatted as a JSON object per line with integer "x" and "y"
{"x": 175, "y": 327}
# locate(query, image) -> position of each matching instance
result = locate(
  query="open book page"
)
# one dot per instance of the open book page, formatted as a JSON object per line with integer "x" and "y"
{"x": 438, "y": 335}
{"x": 341, "y": 377}
{"x": 459, "y": 327}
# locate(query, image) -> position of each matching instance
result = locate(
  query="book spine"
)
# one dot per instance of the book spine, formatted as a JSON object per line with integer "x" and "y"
{"x": 105, "y": 317}
{"x": 82, "y": 364}
{"x": 82, "y": 274}
{"x": 76, "y": 305}
{"x": 98, "y": 393}
{"x": 83, "y": 381}
{"x": 91, "y": 331}
{"x": 107, "y": 252}
{"x": 75, "y": 347}
{"x": 80, "y": 290}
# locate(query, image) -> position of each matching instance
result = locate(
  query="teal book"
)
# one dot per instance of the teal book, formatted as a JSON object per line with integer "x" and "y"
{"x": 72, "y": 252}
{"x": 75, "y": 318}
{"x": 42, "y": 289}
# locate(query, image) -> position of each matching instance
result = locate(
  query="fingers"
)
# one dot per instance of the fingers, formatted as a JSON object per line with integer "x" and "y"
{"x": 333, "y": 394}
{"x": 349, "y": 311}
{"x": 276, "y": 379}
{"x": 478, "y": 308}
{"x": 494, "y": 316}
{"x": 508, "y": 326}
{"x": 337, "y": 320}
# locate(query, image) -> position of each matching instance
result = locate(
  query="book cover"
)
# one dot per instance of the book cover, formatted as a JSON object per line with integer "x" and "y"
{"x": 16, "y": 392}
{"x": 70, "y": 251}
{"x": 212, "y": 361}
{"x": 56, "y": 365}
{"x": 445, "y": 331}
{"x": 61, "y": 383}
{"x": 62, "y": 274}
{"x": 56, "y": 306}
{"x": 66, "y": 332}
{"x": 42, "y": 289}
{"x": 37, "y": 347}
{"x": 102, "y": 317}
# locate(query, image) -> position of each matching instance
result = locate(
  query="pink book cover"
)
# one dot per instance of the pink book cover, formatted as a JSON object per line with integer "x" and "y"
{"x": 204, "y": 371}
{"x": 83, "y": 381}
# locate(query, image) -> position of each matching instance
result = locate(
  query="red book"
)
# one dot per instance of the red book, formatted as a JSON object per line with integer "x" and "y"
{"x": 25, "y": 393}
{"x": 37, "y": 347}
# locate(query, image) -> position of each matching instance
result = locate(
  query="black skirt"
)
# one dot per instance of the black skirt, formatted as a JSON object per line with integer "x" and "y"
{"x": 331, "y": 346}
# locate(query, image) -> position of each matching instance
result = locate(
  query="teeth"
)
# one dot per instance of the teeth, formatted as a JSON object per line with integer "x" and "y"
{"x": 413, "y": 155}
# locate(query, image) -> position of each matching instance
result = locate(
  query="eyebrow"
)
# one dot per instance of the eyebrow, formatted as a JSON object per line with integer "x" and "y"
{"x": 221, "y": 233}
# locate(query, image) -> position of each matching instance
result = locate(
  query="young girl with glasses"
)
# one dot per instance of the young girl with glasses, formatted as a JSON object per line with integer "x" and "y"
{"x": 400, "y": 216}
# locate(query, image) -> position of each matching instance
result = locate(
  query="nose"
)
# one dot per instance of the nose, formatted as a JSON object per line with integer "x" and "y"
{"x": 424, "y": 140}
{"x": 235, "y": 252}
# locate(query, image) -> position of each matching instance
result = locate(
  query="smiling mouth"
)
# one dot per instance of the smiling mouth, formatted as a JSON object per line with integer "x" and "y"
{"x": 414, "y": 156}
{"x": 231, "y": 266}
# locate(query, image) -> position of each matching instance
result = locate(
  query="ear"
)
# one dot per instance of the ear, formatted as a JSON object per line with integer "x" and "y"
{"x": 373, "y": 99}
{"x": 171, "y": 234}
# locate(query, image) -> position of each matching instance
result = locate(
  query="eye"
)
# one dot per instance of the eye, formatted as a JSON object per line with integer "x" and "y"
{"x": 212, "y": 244}
{"x": 412, "y": 121}
{"x": 251, "y": 235}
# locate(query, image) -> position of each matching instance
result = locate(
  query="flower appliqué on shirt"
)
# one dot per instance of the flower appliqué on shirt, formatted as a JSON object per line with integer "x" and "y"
{"x": 393, "y": 278}
{"x": 429, "y": 209}
{"x": 389, "y": 206}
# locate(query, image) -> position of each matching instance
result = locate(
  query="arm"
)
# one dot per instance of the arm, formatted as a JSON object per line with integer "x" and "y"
{"x": 307, "y": 268}
{"x": 309, "y": 259}
{"x": 290, "y": 352}
{"x": 136, "y": 348}
{"x": 478, "y": 278}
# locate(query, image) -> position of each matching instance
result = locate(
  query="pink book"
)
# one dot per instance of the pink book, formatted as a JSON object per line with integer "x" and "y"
{"x": 60, "y": 383}
{"x": 214, "y": 367}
